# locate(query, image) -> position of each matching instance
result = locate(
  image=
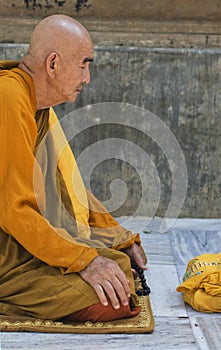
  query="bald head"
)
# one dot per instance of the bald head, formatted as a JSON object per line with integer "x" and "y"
{"x": 58, "y": 60}
{"x": 57, "y": 33}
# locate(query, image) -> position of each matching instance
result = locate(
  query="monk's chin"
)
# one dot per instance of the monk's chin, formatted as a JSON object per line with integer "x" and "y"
{"x": 72, "y": 98}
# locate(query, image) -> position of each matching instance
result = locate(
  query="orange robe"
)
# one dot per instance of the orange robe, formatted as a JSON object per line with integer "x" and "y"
{"x": 40, "y": 254}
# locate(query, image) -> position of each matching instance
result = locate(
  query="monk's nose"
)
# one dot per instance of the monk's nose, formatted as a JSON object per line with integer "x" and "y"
{"x": 86, "y": 76}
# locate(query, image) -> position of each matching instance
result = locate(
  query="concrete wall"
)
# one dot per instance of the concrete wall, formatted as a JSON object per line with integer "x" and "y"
{"x": 182, "y": 87}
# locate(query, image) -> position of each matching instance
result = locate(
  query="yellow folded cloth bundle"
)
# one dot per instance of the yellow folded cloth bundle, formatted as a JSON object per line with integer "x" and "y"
{"x": 201, "y": 285}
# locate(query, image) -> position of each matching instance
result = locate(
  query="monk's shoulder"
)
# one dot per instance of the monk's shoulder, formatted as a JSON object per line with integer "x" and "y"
{"x": 16, "y": 91}
{"x": 11, "y": 84}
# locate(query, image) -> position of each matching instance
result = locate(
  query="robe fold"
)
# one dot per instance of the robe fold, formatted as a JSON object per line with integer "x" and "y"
{"x": 51, "y": 227}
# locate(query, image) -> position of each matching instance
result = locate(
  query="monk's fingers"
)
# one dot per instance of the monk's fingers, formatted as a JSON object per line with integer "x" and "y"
{"x": 120, "y": 282}
{"x": 101, "y": 294}
{"x": 115, "y": 292}
{"x": 122, "y": 292}
{"x": 105, "y": 292}
{"x": 106, "y": 277}
{"x": 135, "y": 274}
{"x": 112, "y": 288}
{"x": 138, "y": 257}
{"x": 117, "y": 278}
{"x": 112, "y": 294}
{"x": 140, "y": 262}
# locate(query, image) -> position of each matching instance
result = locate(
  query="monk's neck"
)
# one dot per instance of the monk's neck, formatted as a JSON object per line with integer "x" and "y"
{"x": 39, "y": 81}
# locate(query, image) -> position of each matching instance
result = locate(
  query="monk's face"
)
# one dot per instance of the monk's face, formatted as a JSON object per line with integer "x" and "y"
{"x": 73, "y": 72}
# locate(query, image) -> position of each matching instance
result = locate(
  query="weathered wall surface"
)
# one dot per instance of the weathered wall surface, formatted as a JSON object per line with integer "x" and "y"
{"x": 153, "y": 9}
{"x": 164, "y": 56}
{"x": 183, "y": 88}
{"x": 154, "y": 23}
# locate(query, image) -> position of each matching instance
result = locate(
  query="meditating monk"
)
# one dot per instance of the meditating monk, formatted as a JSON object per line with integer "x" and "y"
{"x": 62, "y": 254}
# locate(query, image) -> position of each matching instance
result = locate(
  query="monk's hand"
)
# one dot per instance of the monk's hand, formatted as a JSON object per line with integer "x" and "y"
{"x": 108, "y": 281}
{"x": 136, "y": 255}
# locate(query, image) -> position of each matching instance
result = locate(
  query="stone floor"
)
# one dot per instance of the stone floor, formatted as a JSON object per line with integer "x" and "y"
{"x": 176, "y": 324}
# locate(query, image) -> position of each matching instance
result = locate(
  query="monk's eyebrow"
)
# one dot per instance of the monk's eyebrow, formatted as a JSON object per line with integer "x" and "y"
{"x": 87, "y": 59}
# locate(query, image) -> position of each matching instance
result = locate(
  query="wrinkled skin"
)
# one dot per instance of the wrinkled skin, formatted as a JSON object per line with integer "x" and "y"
{"x": 109, "y": 281}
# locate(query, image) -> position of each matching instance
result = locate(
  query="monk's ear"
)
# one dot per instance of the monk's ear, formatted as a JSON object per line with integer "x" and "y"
{"x": 52, "y": 62}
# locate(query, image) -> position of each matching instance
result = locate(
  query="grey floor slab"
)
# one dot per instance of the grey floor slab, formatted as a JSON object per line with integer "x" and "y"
{"x": 170, "y": 333}
{"x": 188, "y": 243}
{"x": 165, "y": 301}
{"x": 210, "y": 328}
{"x": 196, "y": 224}
{"x": 158, "y": 248}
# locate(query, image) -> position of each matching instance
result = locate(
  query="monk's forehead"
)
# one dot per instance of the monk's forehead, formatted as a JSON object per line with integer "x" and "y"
{"x": 83, "y": 50}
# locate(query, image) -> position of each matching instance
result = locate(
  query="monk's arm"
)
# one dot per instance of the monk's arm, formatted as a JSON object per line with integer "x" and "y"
{"x": 105, "y": 228}
{"x": 20, "y": 213}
